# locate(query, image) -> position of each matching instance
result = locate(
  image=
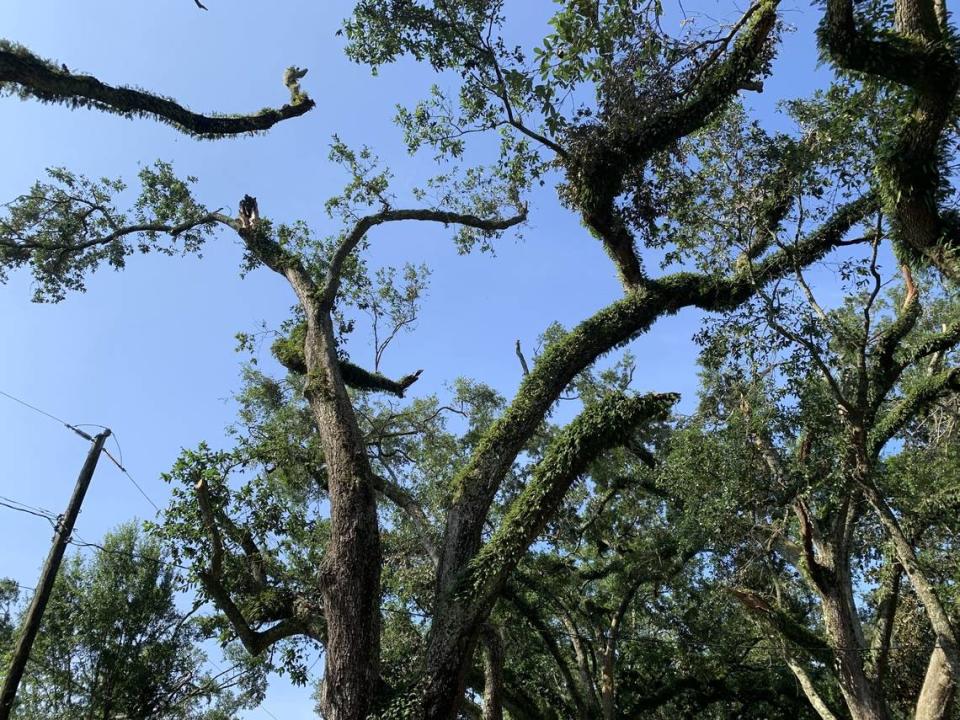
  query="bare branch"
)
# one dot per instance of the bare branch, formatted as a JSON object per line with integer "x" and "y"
{"x": 350, "y": 241}
{"x": 523, "y": 360}
{"x": 398, "y": 495}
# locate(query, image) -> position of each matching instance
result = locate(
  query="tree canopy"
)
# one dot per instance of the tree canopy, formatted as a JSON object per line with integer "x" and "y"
{"x": 582, "y": 549}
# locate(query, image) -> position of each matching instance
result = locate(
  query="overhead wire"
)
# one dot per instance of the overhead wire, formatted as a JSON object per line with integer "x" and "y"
{"x": 76, "y": 429}
{"x": 75, "y": 538}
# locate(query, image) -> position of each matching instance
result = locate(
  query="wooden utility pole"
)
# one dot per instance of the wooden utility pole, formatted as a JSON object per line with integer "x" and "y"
{"x": 42, "y": 594}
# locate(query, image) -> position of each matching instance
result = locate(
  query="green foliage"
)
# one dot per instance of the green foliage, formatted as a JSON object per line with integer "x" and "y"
{"x": 68, "y": 227}
{"x": 114, "y": 644}
{"x": 9, "y": 594}
{"x": 659, "y": 566}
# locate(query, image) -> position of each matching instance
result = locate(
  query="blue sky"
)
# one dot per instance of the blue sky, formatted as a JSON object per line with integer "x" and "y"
{"x": 149, "y": 351}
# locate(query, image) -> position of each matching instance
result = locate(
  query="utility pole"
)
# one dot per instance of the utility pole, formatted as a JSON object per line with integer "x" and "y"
{"x": 42, "y": 594}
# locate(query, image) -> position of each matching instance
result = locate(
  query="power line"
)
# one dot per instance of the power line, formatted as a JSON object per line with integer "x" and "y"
{"x": 76, "y": 540}
{"x": 130, "y": 478}
{"x": 53, "y": 417}
{"x": 87, "y": 436}
{"x": 52, "y": 518}
{"x": 24, "y": 508}
{"x": 34, "y": 408}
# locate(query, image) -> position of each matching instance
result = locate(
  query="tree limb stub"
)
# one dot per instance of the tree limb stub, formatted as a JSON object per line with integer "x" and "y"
{"x": 289, "y": 352}
{"x": 25, "y": 74}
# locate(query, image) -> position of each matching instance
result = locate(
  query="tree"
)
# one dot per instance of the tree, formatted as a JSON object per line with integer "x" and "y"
{"x": 627, "y": 167}
{"x": 114, "y": 645}
{"x": 822, "y": 398}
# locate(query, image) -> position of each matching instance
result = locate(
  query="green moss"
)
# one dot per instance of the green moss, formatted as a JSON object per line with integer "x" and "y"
{"x": 600, "y": 427}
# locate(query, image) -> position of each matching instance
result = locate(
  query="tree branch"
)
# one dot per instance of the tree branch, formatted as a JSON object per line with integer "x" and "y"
{"x": 350, "y": 241}
{"x": 886, "y": 371}
{"x": 398, "y": 495}
{"x": 600, "y": 155}
{"x": 921, "y": 396}
{"x": 492, "y": 642}
{"x": 597, "y": 429}
{"x": 47, "y": 81}
{"x": 477, "y": 483}
{"x": 529, "y": 613}
{"x": 916, "y": 56}
{"x": 212, "y": 580}
{"x": 883, "y": 626}
{"x": 20, "y": 251}
{"x": 289, "y": 352}
{"x": 809, "y": 688}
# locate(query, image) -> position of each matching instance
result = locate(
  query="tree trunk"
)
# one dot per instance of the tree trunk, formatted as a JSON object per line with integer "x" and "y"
{"x": 860, "y": 694}
{"x": 351, "y": 572}
{"x": 939, "y": 685}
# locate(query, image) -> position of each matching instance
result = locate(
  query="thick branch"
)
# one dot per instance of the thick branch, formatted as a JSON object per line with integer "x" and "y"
{"x": 940, "y": 681}
{"x": 810, "y": 689}
{"x": 939, "y": 343}
{"x": 602, "y": 154}
{"x": 886, "y": 371}
{"x": 46, "y": 81}
{"x": 212, "y": 580}
{"x": 210, "y": 525}
{"x": 597, "y": 429}
{"x": 893, "y": 57}
{"x": 883, "y": 627}
{"x": 914, "y": 56}
{"x": 920, "y": 397}
{"x": 254, "y": 641}
{"x": 634, "y": 314}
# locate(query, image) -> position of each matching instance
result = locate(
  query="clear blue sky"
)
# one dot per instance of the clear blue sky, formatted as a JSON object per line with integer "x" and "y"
{"x": 149, "y": 351}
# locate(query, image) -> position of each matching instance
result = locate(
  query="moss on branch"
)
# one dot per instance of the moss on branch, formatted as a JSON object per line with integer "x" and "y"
{"x": 916, "y": 57}
{"x": 289, "y": 352}
{"x": 923, "y": 394}
{"x": 608, "y": 424}
{"x": 28, "y": 76}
